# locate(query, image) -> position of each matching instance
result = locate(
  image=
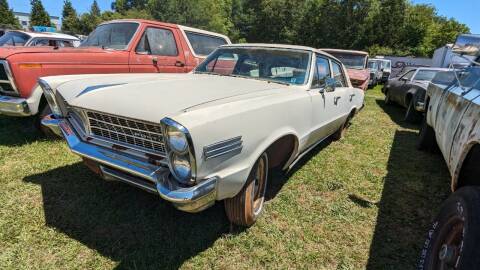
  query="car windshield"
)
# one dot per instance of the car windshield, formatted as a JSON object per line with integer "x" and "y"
{"x": 372, "y": 65}
{"x": 111, "y": 36}
{"x": 350, "y": 60}
{"x": 286, "y": 66}
{"x": 425, "y": 75}
{"x": 14, "y": 39}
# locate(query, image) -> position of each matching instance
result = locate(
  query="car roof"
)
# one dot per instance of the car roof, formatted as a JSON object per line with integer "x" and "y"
{"x": 344, "y": 51}
{"x": 47, "y": 35}
{"x": 281, "y": 46}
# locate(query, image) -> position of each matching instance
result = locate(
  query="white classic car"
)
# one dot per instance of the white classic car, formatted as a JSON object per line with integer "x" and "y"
{"x": 209, "y": 135}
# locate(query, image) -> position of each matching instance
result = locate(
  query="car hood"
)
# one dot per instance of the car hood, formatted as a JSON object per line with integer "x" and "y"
{"x": 358, "y": 74}
{"x": 151, "y": 97}
{"x": 7, "y": 51}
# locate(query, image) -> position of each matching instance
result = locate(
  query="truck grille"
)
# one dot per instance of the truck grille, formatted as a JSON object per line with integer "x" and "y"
{"x": 6, "y": 81}
{"x": 143, "y": 135}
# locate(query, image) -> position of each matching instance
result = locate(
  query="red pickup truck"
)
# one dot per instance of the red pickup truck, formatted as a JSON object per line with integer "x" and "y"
{"x": 120, "y": 46}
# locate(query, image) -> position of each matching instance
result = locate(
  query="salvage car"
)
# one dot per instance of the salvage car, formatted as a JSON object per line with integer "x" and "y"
{"x": 356, "y": 64}
{"x": 451, "y": 125}
{"x": 385, "y": 67}
{"x": 120, "y": 46}
{"x": 209, "y": 135}
{"x": 33, "y": 39}
{"x": 375, "y": 72}
{"x": 408, "y": 89}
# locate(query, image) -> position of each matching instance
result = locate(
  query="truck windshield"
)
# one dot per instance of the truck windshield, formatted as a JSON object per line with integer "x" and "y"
{"x": 111, "y": 36}
{"x": 14, "y": 39}
{"x": 285, "y": 66}
{"x": 350, "y": 60}
{"x": 373, "y": 65}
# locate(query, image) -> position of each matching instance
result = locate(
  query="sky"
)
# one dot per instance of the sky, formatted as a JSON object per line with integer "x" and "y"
{"x": 465, "y": 11}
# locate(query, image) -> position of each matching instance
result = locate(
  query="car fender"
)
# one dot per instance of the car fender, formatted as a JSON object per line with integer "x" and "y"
{"x": 34, "y": 100}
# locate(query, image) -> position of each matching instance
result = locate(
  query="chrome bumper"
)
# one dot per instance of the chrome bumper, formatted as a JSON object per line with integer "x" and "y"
{"x": 14, "y": 106}
{"x": 115, "y": 165}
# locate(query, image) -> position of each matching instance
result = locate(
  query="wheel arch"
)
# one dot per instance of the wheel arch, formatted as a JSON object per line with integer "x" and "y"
{"x": 468, "y": 171}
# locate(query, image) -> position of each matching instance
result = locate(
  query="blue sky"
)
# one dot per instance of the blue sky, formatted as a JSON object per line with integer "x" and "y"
{"x": 464, "y": 11}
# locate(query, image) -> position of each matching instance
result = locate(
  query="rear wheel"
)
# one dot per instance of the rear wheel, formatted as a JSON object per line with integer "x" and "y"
{"x": 452, "y": 241}
{"x": 247, "y": 205}
{"x": 426, "y": 137}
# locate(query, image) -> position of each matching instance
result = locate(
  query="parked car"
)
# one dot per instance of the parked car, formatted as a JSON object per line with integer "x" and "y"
{"x": 356, "y": 64}
{"x": 210, "y": 135}
{"x": 386, "y": 68}
{"x": 408, "y": 90}
{"x": 33, "y": 39}
{"x": 375, "y": 72}
{"x": 121, "y": 46}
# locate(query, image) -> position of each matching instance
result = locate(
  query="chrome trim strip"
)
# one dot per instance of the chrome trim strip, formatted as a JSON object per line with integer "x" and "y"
{"x": 109, "y": 174}
{"x": 14, "y": 106}
{"x": 233, "y": 145}
{"x": 8, "y": 71}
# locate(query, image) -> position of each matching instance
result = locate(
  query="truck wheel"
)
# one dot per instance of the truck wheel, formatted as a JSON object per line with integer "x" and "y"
{"x": 247, "y": 205}
{"x": 452, "y": 242}
{"x": 426, "y": 137}
{"x": 412, "y": 116}
{"x": 42, "y": 113}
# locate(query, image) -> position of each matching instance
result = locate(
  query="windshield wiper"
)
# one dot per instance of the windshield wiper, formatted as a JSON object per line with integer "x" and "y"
{"x": 241, "y": 76}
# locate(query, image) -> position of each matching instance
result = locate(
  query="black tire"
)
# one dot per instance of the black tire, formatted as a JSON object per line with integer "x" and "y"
{"x": 245, "y": 208}
{"x": 44, "y": 111}
{"x": 411, "y": 115}
{"x": 455, "y": 234}
{"x": 388, "y": 98}
{"x": 426, "y": 137}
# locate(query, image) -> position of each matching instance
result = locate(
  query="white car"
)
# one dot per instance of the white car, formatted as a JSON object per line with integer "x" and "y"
{"x": 34, "y": 39}
{"x": 209, "y": 135}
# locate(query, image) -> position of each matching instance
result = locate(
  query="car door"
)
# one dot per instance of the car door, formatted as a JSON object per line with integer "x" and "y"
{"x": 450, "y": 110}
{"x": 158, "y": 51}
{"x": 326, "y": 105}
{"x": 397, "y": 93}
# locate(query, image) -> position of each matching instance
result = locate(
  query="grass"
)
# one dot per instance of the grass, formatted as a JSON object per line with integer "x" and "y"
{"x": 364, "y": 202}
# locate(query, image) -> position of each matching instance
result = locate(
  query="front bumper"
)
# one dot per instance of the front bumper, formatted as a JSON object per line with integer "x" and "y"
{"x": 14, "y": 106}
{"x": 115, "y": 165}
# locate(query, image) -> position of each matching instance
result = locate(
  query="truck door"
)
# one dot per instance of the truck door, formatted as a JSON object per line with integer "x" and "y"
{"x": 158, "y": 51}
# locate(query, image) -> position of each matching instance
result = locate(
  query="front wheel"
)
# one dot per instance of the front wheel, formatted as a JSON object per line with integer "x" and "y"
{"x": 411, "y": 115}
{"x": 452, "y": 241}
{"x": 426, "y": 137}
{"x": 44, "y": 111}
{"x": 247, "y": 205}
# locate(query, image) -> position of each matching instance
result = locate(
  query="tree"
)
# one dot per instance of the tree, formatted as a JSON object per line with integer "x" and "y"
{"x": 7, "y": 18}
{"x": 70, "y": 20}
{"x": 94, "y": 9}
{"x": 39, "y": 16}
{"x": 89, "y": 21}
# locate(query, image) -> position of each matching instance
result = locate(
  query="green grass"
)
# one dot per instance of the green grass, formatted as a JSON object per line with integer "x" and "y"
{"x": 364, "y": 202}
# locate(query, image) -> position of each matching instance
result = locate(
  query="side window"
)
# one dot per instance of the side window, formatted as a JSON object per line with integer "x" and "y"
{"x": 158, "y": 41}
{"x": 204, "y": 44}
{"x": 43, "y": 42}
{"x": 338, "y": 75}
{"x": 322, "y": 72}
{"x": 407, "y": 76}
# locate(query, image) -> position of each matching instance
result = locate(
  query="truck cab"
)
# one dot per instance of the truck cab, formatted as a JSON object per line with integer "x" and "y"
{"x": 119, "y": 46}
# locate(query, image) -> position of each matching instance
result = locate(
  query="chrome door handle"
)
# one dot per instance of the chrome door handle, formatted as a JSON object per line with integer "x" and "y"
{"x": 335, "y": 100}
{"x": 351, "y": 97}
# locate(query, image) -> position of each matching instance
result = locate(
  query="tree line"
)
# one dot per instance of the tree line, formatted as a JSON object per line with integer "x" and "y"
{"x": 387, "y": 27}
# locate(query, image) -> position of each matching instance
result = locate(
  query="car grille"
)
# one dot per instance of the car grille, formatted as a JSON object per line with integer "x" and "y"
{"x": 6, "y": 85}
{"x": 142, "y": 135}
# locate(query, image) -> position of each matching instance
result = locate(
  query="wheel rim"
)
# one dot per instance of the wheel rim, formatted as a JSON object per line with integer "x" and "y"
{"x": 447, "y": 250}
{"x": 259, "y": 185}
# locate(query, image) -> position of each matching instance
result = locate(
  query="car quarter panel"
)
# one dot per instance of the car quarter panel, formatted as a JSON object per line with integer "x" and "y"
{"x": 259, "y": 120}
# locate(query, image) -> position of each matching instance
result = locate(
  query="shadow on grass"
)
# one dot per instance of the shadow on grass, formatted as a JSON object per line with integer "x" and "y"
{"x": 397, "y": 114}
{"x": 16, "y": 131}
{"x": 130, "y": 226}
{"x": 414, "y": 187}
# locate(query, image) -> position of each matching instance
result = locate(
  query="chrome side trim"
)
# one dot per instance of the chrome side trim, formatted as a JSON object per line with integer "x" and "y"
{"x": 231, "y": 146}
{"x": 8, "y": 71}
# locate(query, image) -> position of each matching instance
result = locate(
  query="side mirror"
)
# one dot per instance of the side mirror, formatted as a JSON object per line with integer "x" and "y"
{"x": 330, "y": 84}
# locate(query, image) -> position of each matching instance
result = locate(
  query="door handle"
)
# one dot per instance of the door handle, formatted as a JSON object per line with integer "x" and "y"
{"x": 351, "y": 97}
{"x": 155, "y": 60}
{"x": 179, "y": 64}
{"x": 335, "y": 100}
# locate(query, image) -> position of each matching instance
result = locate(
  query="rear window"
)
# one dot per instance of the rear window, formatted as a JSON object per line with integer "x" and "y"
{"x": 14, "y": 39}
{"x": 204, "y": 44}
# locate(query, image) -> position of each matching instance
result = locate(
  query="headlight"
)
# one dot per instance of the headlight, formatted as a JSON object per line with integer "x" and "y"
{"x": 50, "y": 97}
{"x": 176, "y": 139}
{"x": 180, "y": 153}
{"x": 181, "y": 166}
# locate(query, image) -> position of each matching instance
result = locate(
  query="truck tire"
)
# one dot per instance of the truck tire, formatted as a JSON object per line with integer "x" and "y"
{"x": 426, "y": 137}
{"x": 245, "y": 208}
{"x": 411, "y": 115}
{"x": 452, "y": 242}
